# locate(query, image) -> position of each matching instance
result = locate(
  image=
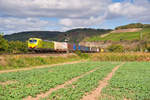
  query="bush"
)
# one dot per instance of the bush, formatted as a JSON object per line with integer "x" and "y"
{"x": 116, "y": 48}
{"x": 82, "y": 55}
{"x": 17, "y": 47}
{"x": 148, "y": 48}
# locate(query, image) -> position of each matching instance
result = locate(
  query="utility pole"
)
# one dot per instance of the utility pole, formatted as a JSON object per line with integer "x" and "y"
{"x": 67, "y": 40}
{"x": 141, "y": 38}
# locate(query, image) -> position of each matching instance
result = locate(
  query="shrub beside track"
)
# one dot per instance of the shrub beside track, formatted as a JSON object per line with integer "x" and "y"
{"x": 121, "y": 57}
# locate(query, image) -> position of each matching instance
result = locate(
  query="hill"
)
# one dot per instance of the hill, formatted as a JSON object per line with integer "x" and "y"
{"x": 129, "y": 40}
{"x": 23, "y": 36}
{"x": 77, "y": 35}
{"x": 122, "y": 35}
{"x": 74, "y": 35}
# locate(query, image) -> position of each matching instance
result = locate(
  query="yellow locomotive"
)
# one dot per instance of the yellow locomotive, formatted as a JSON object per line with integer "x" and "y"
{"x": 34, "y": 43}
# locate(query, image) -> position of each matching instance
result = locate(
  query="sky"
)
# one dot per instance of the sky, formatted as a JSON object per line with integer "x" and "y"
{"x": 63, "y": 15}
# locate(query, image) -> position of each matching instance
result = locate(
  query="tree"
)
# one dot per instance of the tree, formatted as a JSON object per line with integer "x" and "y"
{"x": 3, "y": 43}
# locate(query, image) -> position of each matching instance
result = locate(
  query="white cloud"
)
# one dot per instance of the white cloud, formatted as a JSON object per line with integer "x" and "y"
{"x": 126, "y": 9}
{"x": 138, "y": 10}
{"x": 82, "y": 22}
{"x": 17, "y": 24}
{"x": 53, "y": 8}
{"x": 70, "y": 13}
{"x": 20, "y": 15}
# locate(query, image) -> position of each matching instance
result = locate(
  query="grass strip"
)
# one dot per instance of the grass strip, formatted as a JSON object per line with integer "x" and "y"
{"x": 20, "y": 61}
{"x": 121, "y": 57}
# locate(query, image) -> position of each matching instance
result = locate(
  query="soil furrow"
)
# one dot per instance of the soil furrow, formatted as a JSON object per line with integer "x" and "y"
{"x": 97, "y": 92}
{"x": 7, "y": 82}
{"x": 43, "y": 95}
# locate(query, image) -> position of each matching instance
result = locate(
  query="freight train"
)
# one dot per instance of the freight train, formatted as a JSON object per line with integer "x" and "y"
{"x": 39, "y": 45}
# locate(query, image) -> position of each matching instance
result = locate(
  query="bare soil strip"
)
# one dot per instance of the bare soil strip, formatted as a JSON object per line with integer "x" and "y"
{"x": 126, "y": 99}
{"x": 43, "y": 66}
{"x": 7, "y": 82}
{"x": 97, "y": 92}
{"x": 127, "y": 30}
{"x": 43, "y": 95}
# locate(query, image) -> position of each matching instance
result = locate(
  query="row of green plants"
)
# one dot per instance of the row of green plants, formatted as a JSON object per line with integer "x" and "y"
{"x": 79, "y": 88}
{"x": 130, "y": 82}
{"x": 12, "y": 46}
{"x": 36, "y": 81}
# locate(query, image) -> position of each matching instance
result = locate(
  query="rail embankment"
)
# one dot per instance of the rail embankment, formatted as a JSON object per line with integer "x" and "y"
{"x": 27, "y": 61}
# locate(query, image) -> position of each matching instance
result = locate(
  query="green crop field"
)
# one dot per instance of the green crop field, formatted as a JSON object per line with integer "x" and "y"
{"x": 123, "y": 36}
{"x": 131, "y": 81}
{"x": 33, "y": 82}
{"x": 83, "y": 85}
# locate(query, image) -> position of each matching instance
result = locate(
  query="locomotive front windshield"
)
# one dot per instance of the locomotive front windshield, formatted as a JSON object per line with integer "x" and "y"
{"x": 33, "y": 41}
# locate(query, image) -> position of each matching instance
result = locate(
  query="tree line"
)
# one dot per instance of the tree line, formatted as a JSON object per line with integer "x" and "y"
{"x": 133, "y": 25}
{"x": 12, "y": 46}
